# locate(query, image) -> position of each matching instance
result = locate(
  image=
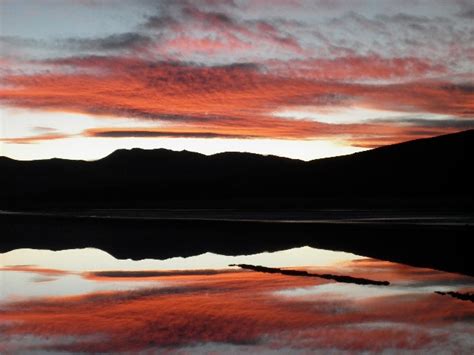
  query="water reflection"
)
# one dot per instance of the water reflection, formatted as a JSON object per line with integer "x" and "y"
{"x": 87, "y": 301}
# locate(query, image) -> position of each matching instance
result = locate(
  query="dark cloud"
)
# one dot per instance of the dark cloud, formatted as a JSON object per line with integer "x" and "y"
{"x": 218, "y": 18}
{"x": 112, "y": 42}
{"x": 115, "y": 42}
{"x": 160, "y": 22}
{"x": 154, "y": 273}
{"x": 163, "y": 134}
{"x": 465, "y": 88}
{"x": 405, "y": 18}
{"x": 467, "y": 13}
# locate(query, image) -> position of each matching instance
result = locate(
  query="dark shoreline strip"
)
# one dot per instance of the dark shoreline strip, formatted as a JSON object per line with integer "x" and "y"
{"x": 338, "y": 278}
{"x": 468, "y": 296}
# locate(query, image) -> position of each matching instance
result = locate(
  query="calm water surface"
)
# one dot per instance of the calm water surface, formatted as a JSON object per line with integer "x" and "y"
{"x": 87, "y": 301}
{"x": 369, "y": 216}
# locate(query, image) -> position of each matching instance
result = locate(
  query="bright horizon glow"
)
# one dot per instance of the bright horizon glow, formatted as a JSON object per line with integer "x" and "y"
{"x": 77, "y": 147}
{"x": 98, "y": 148}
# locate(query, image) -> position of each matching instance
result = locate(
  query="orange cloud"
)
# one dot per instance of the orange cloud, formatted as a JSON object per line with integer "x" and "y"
{"x": 36, "y": 138}
{"x": 237, "y": 100}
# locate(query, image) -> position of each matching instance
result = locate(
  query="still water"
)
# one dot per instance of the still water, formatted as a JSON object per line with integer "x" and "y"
{"x": 85, "y": 300}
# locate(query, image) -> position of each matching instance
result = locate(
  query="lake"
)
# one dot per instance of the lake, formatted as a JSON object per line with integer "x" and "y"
{"x": 85, "y": 300}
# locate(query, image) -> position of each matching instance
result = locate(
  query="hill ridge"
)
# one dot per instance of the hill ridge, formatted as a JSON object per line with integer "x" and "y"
{"x": 423, "y": 169}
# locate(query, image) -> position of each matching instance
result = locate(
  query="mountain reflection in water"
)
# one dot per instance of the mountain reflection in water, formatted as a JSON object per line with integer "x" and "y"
{"x": 85, "y": 300}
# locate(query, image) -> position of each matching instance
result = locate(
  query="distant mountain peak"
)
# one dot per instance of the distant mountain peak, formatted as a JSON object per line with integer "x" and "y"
{"x": 146, "y": 153}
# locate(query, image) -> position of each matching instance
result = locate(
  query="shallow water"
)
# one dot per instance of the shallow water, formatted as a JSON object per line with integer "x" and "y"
{"x": 85, "y": 300}
{"x": 369, "y": 216}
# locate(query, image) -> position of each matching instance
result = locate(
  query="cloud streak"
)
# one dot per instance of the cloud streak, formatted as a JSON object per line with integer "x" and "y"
{"x": 36, "y": 138}
{"x": 160, "y": 134}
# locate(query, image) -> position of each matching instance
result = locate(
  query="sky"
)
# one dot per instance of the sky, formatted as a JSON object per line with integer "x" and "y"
{"x": 302, "y": 79}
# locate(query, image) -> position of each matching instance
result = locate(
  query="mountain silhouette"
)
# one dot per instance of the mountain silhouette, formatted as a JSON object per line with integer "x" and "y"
{"x": 416, "y": 172}
{"x": 237, "y": 193}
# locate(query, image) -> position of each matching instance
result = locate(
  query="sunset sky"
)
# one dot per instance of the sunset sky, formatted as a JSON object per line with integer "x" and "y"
{"x": 304, "y": 79}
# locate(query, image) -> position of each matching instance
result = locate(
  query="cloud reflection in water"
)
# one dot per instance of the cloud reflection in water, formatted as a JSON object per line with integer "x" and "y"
{"x": 233, "y": 310}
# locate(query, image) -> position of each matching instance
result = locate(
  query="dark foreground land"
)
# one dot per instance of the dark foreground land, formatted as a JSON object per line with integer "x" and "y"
{"x": 425, "y": 173}
{"x": 444, "y": 244}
